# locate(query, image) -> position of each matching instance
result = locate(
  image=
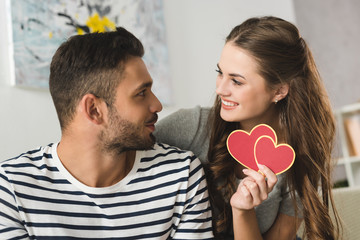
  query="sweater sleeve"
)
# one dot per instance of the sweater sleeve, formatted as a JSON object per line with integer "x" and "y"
{"x": 287, "y": 207}
{"x": 186, "y": 129}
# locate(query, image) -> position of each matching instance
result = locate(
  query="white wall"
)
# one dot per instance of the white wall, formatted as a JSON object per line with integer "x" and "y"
{"x": 331, "y": 28}
{"x": 195, "y": 32}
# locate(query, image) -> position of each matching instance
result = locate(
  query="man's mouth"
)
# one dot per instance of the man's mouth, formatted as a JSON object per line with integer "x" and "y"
{"x": 151, "y": 122}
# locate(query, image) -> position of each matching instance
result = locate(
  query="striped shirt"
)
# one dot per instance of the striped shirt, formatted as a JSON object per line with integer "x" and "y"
{"x": 163, "y": 197}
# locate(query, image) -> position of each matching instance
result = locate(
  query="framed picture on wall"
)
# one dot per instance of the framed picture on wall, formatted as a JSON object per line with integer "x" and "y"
{"x": 39, "y": 27}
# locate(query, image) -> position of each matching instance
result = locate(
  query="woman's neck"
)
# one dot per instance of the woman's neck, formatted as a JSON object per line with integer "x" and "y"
{"x": 272, "y": 120}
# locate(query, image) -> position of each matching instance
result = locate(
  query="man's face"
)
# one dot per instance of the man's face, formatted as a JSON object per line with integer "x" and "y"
{"x": 133, "y": 115}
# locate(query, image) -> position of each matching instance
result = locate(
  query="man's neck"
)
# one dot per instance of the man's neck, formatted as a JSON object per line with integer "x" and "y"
{"x": 92, "y": 166}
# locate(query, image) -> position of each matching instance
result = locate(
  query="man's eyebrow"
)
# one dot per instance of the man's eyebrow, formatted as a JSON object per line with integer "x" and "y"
{"x": 233, "y": 74}
{"x": 144, "y": 85}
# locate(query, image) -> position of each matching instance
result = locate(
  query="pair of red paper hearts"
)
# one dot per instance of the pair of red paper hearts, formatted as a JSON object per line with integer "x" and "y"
{"x": 260, "y": 147}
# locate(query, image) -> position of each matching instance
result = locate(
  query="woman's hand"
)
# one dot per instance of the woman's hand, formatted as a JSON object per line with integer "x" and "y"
{"x": 254, "y": 188}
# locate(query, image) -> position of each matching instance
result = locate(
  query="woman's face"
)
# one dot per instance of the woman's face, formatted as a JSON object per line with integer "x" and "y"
{"x": 243, "y": 92}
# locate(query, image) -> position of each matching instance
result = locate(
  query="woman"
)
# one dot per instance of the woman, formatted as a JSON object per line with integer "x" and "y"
{"x": 266, "y": 74}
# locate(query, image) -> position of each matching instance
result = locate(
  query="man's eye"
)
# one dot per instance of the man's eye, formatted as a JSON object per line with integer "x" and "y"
{"x": 142, "y": 93}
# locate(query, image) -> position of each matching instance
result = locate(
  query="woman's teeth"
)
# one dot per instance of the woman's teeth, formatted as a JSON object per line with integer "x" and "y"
{"x": 230, "y": 104}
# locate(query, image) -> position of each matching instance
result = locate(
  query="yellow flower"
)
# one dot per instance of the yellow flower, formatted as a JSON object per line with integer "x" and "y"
{"x": 97, "y": 24}
{"x": 80, "y": 31}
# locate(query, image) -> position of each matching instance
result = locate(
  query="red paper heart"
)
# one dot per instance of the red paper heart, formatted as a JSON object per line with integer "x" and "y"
{"x": 278, "y": 158}
{"x": 241, "y": 144}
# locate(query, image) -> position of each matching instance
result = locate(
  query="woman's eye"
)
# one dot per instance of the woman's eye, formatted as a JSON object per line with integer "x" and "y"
{"x": 236, "y": 82}
{"x": 218, "y": 71}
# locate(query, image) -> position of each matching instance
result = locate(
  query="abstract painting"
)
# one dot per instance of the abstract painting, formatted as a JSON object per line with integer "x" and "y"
{"x": 39, "y": 27}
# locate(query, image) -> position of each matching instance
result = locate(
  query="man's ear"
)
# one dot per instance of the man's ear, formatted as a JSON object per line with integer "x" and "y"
{"x": 281, "y": 92}
{"x": 93, "y": 108}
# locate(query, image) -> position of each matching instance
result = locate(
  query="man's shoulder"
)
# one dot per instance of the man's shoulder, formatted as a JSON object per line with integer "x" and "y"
{"x": 29, "y": 157}
{"x": 162, "y": 152}
{"x": 168, "y": 163}
{"x": 164, "y": 148}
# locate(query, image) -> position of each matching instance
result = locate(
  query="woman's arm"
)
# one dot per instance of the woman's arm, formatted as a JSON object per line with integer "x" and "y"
{"x": 246, "y": 226}
{"x": 186, "y": 129}
{"x": 284, "y": 227}
{"x": 251, "y": 192}
{"x": 179, "y": 128}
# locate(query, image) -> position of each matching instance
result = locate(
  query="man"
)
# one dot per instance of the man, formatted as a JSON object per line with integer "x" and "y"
{"x": 106, "y": 178}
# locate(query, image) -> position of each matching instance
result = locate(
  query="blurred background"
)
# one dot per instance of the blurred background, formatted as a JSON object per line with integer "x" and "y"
{"x": 195, "y": 32}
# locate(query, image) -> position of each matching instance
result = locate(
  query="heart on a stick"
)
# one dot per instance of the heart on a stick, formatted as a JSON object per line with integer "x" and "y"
{"x": 260, "y": 147}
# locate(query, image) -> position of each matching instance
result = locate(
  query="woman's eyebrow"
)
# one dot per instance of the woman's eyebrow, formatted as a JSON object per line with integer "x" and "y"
{"x": 233, "y": 74}
{"x": 237, "y": 75}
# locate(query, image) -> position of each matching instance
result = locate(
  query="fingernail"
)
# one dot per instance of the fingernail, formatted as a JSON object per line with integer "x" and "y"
{"x": 245, "y": 170}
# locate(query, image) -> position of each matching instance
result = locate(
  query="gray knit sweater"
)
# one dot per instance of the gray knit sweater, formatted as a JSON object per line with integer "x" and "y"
{"x": 188, "y": 130}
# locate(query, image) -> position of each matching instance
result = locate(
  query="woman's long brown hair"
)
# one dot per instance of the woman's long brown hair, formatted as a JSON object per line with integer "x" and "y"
{"x": 306, "y": 120}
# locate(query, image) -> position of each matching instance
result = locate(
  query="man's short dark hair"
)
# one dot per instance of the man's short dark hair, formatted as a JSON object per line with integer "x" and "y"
{"x": 90, "y": 63}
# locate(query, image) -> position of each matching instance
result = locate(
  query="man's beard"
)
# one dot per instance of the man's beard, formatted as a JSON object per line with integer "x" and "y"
{"x": 123, "y": 135}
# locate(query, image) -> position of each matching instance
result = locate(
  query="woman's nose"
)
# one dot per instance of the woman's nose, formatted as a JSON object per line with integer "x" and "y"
{"x": 222, "y": 87}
